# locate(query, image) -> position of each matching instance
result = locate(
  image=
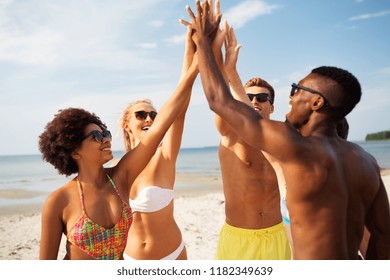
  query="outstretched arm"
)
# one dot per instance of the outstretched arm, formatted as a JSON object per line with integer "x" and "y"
{"x": 243, "y": 119}
{"x": 134, "y": 161}
{"x": 231, "y": 53}
{"x": 231, "y": 75}
{"x": 217, "y": 91}
{"x": 172, "y": 140}
{"x": 217, "y": 42}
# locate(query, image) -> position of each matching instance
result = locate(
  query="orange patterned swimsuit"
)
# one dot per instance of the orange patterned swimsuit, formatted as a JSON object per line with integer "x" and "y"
{"x": 99, "y": 242}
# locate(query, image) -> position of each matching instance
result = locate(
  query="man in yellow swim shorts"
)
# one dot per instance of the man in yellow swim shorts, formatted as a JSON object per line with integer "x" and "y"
{"x": 253, "y": 228}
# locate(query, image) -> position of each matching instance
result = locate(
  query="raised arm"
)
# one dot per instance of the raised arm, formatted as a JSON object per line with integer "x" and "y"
{"x": 231, "y": 57}
{"x": 172, "y": 140}
{"x": 219, "y": 39}
{"x": 243, "y": 119}
{"x": 134, "y": 161}
{"x": 231, "y": 75}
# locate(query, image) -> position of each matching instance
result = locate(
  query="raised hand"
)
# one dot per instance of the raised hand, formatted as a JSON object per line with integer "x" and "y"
{"x": 214, "y": 16}
{"x": 190, "y": 60}
{"x": 205, "y": 24}
{"x": 220, "y": 37}
{"x": 231, "y": 51}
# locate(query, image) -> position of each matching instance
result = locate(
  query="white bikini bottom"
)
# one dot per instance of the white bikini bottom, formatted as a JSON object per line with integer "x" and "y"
{"x": 171, "y": 256}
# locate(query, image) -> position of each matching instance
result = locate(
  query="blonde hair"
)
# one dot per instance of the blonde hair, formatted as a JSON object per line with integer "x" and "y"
{"x": 127, "y": 112}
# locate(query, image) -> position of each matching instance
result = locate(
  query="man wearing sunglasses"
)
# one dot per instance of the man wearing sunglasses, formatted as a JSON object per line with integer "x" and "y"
{"x": 253, "y": 228}
{"x": 334, "y": 187}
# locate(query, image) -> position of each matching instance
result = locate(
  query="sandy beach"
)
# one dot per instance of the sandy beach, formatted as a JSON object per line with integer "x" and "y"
{"x": 199, "y": 214}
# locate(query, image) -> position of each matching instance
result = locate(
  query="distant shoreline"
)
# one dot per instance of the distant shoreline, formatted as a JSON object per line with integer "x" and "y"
{"x": 187, "y": 148}
{"x": 378, "y": 136}
{"x": 114, "y": 151}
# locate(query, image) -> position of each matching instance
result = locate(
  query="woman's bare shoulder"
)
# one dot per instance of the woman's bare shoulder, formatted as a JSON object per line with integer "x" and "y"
{"x": 61, "y": 196}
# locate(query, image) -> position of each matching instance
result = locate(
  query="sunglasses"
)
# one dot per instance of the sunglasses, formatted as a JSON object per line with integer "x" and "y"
{"x": 295, "y": 88}
{"x": 98, "y": 136}
{"x": 260, "y": 97}
{"x": 142, "y": 115}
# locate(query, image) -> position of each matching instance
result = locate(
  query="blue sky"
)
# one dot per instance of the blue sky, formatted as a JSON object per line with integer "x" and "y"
{"x": 101, "y": 55}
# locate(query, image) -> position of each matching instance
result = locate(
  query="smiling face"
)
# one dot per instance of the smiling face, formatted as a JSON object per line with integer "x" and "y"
{"x": 306, "y": 97}
{"x": 92, "y": 148}
{"x": 265, "y": 109}
{"x": 300, "y": 109}
{"x": 138, "y": 124}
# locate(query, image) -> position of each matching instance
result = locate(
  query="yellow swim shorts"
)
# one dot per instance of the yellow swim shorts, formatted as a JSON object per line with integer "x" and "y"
{"x": 253, "y": 244}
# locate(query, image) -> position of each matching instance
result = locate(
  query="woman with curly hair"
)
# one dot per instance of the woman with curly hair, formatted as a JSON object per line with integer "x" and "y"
{"x": 92, "y": 209}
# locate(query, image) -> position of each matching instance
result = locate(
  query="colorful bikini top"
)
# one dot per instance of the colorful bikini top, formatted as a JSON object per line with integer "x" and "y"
{"x": 151, "y": 199}
{"x": 99, "y": 242}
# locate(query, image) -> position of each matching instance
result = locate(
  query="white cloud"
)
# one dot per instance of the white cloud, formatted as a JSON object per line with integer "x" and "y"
{"x": 38, "y": 48}
{"x": 369, "y": 16}
{"x": 239, "y": 15}
{"x": 47, "y": 33}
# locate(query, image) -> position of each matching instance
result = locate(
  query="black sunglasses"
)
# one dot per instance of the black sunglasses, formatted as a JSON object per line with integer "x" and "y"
{"x": 295, "y": 88}
{"x": 142, "y": 115}
{"x": 98, "y": 136}
{"x": 260, "y": 97}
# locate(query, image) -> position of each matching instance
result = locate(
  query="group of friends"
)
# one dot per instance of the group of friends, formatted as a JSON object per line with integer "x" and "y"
{"x": 293, "y": 190}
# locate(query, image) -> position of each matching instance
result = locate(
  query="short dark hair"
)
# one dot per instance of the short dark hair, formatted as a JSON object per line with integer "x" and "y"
{"x": 350, "y": 85}
{"x": 259, "y": 82}
{"x": 63, "y": 135}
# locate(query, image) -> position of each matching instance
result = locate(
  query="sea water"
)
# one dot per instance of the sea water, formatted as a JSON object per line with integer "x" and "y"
{"x": 30, "y": 174}
{"x": 33, "y": 179}
{"x": 379, "y": 149}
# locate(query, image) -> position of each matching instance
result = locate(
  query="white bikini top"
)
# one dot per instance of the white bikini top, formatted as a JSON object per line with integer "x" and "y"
{"x": 151, "y": 199}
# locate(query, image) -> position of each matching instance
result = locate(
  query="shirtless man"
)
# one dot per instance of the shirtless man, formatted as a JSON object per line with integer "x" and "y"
{"x": 334, "y": 187}
{"x": 253, "y": 228}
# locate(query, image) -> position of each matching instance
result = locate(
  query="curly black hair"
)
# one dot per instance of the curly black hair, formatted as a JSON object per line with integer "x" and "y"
{"x": 63, "y": 135}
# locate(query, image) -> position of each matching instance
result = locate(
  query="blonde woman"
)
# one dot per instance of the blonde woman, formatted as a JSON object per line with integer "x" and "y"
{"x": 154, "y": 233}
